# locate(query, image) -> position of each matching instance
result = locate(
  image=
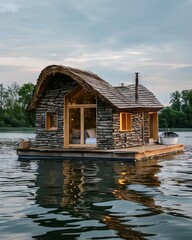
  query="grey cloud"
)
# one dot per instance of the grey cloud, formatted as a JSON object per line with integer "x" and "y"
{"x": 186, "y": 70}
{"x": 128, "y": 23}
{"x": 101, "y": 36}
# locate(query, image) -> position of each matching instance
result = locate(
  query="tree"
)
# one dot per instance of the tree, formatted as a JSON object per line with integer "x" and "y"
{"x": 184, "y": 97}
{"x": 25, "y": 94}
{"x": 10, "y": 96}
{"x": 175, "y": 101}
{"x": 179, "y": 114}
{"x": 14, "y": 100}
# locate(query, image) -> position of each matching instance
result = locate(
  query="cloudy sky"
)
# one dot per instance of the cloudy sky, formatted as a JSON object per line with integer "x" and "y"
{"x": 111, "y": 38}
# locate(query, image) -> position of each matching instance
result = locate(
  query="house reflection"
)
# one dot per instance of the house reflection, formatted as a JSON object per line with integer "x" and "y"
{"x": 77, "y": 183}
{"x": 142, "y": 173}
{"x": 77, "y": 186}
{"x": 73, "y": 185}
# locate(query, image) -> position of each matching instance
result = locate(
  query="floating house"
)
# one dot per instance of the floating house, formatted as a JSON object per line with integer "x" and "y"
{"x": 77, "y": 110}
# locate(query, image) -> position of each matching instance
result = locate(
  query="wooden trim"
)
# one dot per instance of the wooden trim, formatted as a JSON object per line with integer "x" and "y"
{"x": 127, "y": 123}
{"x": 48, "y": 123}
{"x": 82, "y": 125}
{"x": 82, "y": 145}
{"x": 82, "y": 105}
{"x": 65, "y": 120}
{"x": 153, "y": 125}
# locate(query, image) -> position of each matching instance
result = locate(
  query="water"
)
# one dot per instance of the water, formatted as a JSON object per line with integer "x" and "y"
{"x": 55, "y": 200}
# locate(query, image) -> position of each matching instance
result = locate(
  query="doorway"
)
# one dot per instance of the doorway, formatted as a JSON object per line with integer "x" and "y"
{"x": 80, "y": 119}
{"x": 82, "y": 125}
{"x": 153, "y": 125}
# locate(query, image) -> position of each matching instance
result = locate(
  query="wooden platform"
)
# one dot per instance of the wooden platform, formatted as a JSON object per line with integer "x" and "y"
{"x": 130, "y": 154}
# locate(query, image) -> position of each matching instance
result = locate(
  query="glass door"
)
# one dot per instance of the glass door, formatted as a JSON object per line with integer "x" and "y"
{"x": 80, "y": 118}
{"x": 90, "y": 126}
{"x": 82, "y": 126}
{"x": 74, "y": 126}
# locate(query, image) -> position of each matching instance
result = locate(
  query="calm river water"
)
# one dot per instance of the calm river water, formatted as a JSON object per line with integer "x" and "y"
{"x": 80, "y": 199}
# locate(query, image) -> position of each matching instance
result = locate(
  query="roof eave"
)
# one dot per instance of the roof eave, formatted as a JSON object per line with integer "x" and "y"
{"x": 140, "y": 109}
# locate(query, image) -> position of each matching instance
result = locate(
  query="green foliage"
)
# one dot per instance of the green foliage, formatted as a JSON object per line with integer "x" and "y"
{"x": 13, "y": 102}
{"x": 179, "y": 114}
{"x": 175, "y": 101}
{"x": 25, "y": 94}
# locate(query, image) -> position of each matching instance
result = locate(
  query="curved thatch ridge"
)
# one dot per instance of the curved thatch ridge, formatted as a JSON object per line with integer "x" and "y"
{"x": 114, "y": 96}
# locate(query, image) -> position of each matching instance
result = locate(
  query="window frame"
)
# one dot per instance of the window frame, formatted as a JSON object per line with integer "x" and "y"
{"x": 49, "y": 121}
{"x": 125, "y": 121}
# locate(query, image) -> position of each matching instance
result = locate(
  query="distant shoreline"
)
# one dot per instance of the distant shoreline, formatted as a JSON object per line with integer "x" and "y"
{"x": 17, "y": 129}
{"x": 175, "y": 129}
{"x": 32, "y": 130}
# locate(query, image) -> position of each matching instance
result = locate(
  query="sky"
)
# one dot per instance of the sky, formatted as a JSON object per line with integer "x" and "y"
{"x": 111, "y": 38}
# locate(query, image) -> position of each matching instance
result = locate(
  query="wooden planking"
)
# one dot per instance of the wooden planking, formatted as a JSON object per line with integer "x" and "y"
{"x": 135, "y": 153}
{"x": 159, "y": 152}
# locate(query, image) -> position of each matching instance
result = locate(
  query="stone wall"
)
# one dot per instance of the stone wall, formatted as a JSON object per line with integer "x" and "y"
{"x": 109, "y": 135}
{"x": 138, "y": 134}
{"x": 52, "y": 100}
{"x": 104, "y": 126}
{"x": 146, "y": 127}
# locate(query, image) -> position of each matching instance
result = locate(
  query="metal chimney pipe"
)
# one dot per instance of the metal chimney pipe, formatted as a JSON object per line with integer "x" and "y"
{"x": 136, "y": 87}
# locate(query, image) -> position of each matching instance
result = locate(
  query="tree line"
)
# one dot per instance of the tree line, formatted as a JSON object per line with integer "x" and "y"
{"x": 179, "y": 113}
{"x": 13, "y": 103}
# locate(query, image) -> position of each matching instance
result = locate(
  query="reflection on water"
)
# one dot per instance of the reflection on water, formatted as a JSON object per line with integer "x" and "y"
{"x": 95, "y": 199}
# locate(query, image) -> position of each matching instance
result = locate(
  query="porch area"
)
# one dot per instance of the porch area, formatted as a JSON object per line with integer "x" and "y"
{"x": 129, "y": 154}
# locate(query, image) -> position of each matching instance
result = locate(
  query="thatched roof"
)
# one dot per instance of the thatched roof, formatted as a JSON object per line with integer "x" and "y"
{"x": 121, "y": 98}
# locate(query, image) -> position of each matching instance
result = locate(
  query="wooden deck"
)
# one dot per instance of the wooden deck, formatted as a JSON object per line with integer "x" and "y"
{"x": 129, "y": 154}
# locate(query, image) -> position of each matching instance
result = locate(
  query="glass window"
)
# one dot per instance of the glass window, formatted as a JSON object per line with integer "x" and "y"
{"x": 51, "y": 120}
{"x": 90, "y": 125}
{"x": 125, "y": 121}
{"x": 74, "y": 126}
{"x": 82, "y": 97}
{"x": 82, "y": 125}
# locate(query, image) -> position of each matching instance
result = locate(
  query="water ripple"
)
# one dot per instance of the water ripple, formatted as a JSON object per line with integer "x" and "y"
{"x": 95, "y": 199}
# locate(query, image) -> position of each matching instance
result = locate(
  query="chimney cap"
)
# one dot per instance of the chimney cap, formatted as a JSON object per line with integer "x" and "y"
{"x": 136, "y": 74}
